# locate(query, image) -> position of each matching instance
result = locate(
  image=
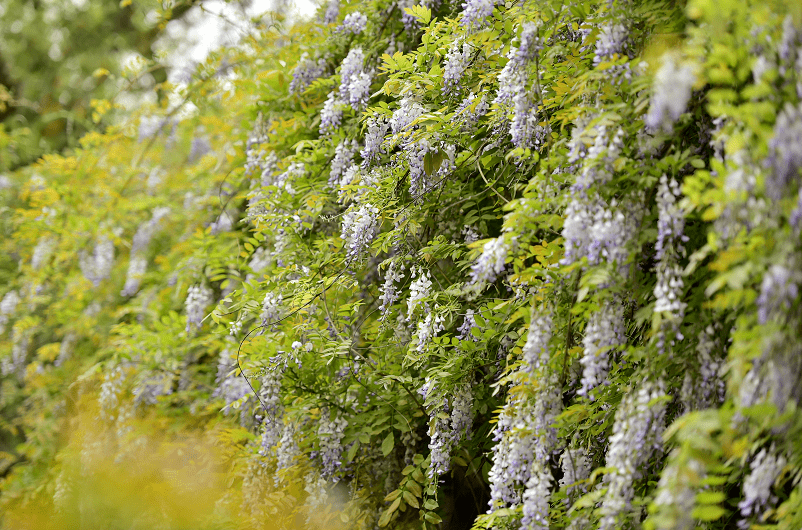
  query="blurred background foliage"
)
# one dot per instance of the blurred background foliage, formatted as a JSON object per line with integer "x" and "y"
{"x": 61, "y": 59}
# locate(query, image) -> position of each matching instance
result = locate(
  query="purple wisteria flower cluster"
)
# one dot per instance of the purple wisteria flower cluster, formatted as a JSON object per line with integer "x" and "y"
{"x": 475, "y": 13}
{"x": 670, "y": 248}
{"x": 354, "y": 79}
{"x": 449, "y": 424}
{"x": 330, "y": 434}
{"x": 305, "y": 72}
{"x": 138, "y": 261}
{"x": 353, "y": 23}
{"x": 96, "y": 267}
{"x": 603, "y": 334}
{"x": 673, "y": 85}
{"x": 359, "y": 228}
{"x": 513, "y": 91}
{"x": 456, "y": 62}
{"x": 198, "y": 298}
{"x": 637, "y": 433}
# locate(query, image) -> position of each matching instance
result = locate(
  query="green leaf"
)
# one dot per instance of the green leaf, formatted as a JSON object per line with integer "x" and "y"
{"x": 710, "y": 497}
{"x": 708, "y": 512}
{"x": 410, "y": 499}
{"x": 388, "y": 443}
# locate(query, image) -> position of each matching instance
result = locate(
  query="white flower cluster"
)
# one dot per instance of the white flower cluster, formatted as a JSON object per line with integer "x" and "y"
{"x": 97, "y": 267}
{"x": 785, "y": 152}
{"x": 305, "y": 72}
{"x": 15, "y": 364}
{"x": 420, "y": 289}
{"x": 668, "y": 294}
{"x": 428, "y": 328}
{"x": 475, "y": 13}
{"x": 316, "y": 500}
{"x": 270, "y": 399}
{"x": 778, "y": 291}
{"x": 7, "y": 307}
{"x": 407, "y": 112}
{"x": 138, "y": 262}
{"x": 764, "y": 470}
{"x": 611, "y": 41}
{"x": 446, "y": 431}
{"x": 377, "y": 129}
{"x": 198, "y": 297}
{"x": 416, "y": 155}
{"x": 670, "y": 220}
{"x": 457, "y": 59}
{"x": 332, "y": 12}
{"x": 389, "y": 293}
{"x": 603, "y": 334}
{"x": 536, "y": 497}
{"x": 470, "y": 111}
{"x": 468, "y": 324}
{"x": 575, "y": 466}
{"x": 596, "y": 231}
{"x": 353, "y": 23}
{"x": 354, "y": 80}
{"x": 330, "y": 435}
{"x": 597, "y": 161}
{"x": 230, "y": 386}
{"x": 491, "y": 262}
{"x": 637, "y": 432}
{"x": 359, "y": 227}
{"x": 512, "y": 456}
{"x": 525, "y": 130}
{"x": 343, "y": 159}
{"x": 673, "y": 84}
{"x": 705, "y": 388}
{"x": 536, "y": 352}
{"x": 271, "y": 310}
{"x": 287, "y": 451}
{"x": 109, "y": 399}
{"x": 675, "y": 498}
{"x": 42, "y": 252}
{"x": 525, "y": 437}
{"x": 332, "y": 114}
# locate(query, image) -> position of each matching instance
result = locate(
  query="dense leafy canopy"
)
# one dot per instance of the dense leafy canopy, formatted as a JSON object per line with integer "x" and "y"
{"x": 445, "y": 265}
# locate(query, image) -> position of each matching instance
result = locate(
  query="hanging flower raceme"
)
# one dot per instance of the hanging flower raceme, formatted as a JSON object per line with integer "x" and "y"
{"x": 138, "y": 262}
{"x": 672, "y": 90}
{"x": 604, "y": 332}
{"x": 343, "y": 159}
{"x": 475, "y": 13}
{"x": 763, "y": 472}
{"x": 97, "y": 266}
{"x": 359, "y": 228}
{"x": 198, "y": 298}
{"x": 377, "y": 129}
{"x": 448, "y": 425}
{"x": 785, "y": 153}
{"x": 354, "y": 80}
{"x": 332, "y": 12}
{"x": 354, "y": 23}
{"x": 491, "y": 262}
{"x": 305, "y": 72}
{"x": 637, "y": 433}
{"x": 331, "y": 115}
{"x": 7, "y": 307}
{"x": 670, "y": 249}
{"x": 330, "y": 435}
{"x": 389, "y": 293}
{"x": 457, "y": 60}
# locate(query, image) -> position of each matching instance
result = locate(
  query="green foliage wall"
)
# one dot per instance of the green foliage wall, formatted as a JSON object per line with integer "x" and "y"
{"x": 445, "y": 266}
